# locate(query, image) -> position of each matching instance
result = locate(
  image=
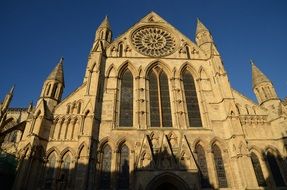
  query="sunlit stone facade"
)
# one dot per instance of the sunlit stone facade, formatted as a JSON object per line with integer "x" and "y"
{"x": 155, "y": 111}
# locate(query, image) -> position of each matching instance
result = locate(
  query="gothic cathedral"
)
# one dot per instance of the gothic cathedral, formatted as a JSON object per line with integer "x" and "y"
{"x": 155, "y": 111}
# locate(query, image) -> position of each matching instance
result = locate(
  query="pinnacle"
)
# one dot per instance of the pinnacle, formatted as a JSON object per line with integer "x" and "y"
{"x": 200, "y": 26}
{"x": 12, "y": 89}
{"x": 257, "y": 75}
{"x": 57, "y": 73}
{"x": 105, "y": 23}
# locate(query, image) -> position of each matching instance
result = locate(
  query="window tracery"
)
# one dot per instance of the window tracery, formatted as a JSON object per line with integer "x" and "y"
{"x": 153, "y": 41}
{"x": 160, "y": 111}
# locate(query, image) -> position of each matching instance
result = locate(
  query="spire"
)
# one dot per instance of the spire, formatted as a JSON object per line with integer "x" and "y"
{"x": 57, "y": 73}
{"x": 257, "y": 76}
{"x": 200, "y": 27}
{"x": 105, "y": 23}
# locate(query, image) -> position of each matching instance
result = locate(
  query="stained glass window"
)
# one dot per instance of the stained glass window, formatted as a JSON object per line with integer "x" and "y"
{"x": 154, "y": 100}
{"x": 219, "y": 165}
{"x": 123, "y": 182}
{"x": 165, "y": 100}
{"x": 275, "y": 170}
{"x": 160, "y": 112}
{"x": 201, "y": 160}
{"x": 126, "y": 102}
{"x": 257, "y": 169}
{"x": 191, "y": 100}
{"x": 105, "y": 179}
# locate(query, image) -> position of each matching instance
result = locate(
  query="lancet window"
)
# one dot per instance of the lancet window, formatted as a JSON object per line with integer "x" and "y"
{"x": 64, "y": 177}
{"x": 275, "y": 170}
{"x": 219, "y": 166}
{"x": 191, "y": 100}
{"x": 123, "y": 178}
{"x": 159, "y": 98}
{"x": 105, "y": 178}
{"x": 201, "y": 160}
{"x": 257, "y": 169}
{"x": 50, "y": 170}
{"x": 126, "y": 100}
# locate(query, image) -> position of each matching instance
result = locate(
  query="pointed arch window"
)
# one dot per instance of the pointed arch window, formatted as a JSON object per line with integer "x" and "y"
{"x": 54, "y": 90}
{"x": 187, "y": 52}
{"x": 191, "y": 100}
{"x": 105, "y": 179}
{"x": 123, "y": 180}
{"x": 65, "y": 171}
{"x": 126, "y": 100}
{"x": 160, "y": 112}
{"x": 257, "y": 169}
{"x": 219, "y": 166}
{"x": 48, "y": 89}
{"x": 120, "y": 49}
{"x": 201, "y": 160}
{"x": 275, "y": 170}
{"x": 50, "y": 170}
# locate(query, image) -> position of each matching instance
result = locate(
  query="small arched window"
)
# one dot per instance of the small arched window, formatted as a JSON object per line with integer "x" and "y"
{"x": 275, "y": 170}
{"x": 120, "y": 49}
{"x": 68, "y": 109}
{"x": 191, "y": 100}
{"x": 126, "y": 100}
{"x": 257, "y": 169}
{"x": 160, "y": 112}
{"x": 123, "y": 182}
{"x": 54, "y": 90}
{"x": 187, "y": 52}
{"x": 219, "y": 166}
{"x": 201, "y": 160}
{"x": 48, "y": 89}
{"x": 79, "y": 107}
{"x": 264, "y": 92}
{"x": 105, "y": 178}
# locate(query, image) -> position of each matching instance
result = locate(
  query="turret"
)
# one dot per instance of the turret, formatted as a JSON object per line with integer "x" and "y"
{"x": 103, "y": 38}
{"x": 103, "y": 35}
{"x": 263, "y": 87}
{"x": 204, "y": 39}
{"x": 53, "y": 86}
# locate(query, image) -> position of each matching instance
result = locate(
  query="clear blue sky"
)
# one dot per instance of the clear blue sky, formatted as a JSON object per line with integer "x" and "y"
{"x": 34, "y": 34}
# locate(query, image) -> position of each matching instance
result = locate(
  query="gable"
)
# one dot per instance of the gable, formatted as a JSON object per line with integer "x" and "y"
{"x": 153, "y": 37}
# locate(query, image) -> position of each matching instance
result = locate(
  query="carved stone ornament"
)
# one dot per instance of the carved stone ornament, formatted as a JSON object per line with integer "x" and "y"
{"x": 153, "y": 41}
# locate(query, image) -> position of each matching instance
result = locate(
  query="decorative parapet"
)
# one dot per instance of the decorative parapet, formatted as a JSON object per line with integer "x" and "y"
{"x": 252, "y": 119}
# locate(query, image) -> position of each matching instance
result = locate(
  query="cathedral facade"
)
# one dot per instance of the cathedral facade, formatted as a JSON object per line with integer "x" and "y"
{"x": 155, "y": 111}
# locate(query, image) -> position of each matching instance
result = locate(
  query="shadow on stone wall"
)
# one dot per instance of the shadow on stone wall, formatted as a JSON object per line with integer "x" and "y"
{"x": 164, "y": 171}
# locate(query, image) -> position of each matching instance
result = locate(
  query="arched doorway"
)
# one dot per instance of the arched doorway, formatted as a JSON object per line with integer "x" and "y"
{"x": 167, "y": 181}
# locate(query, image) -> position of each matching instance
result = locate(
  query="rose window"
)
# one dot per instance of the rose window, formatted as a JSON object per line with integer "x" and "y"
{"x": 153, "y": 41}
